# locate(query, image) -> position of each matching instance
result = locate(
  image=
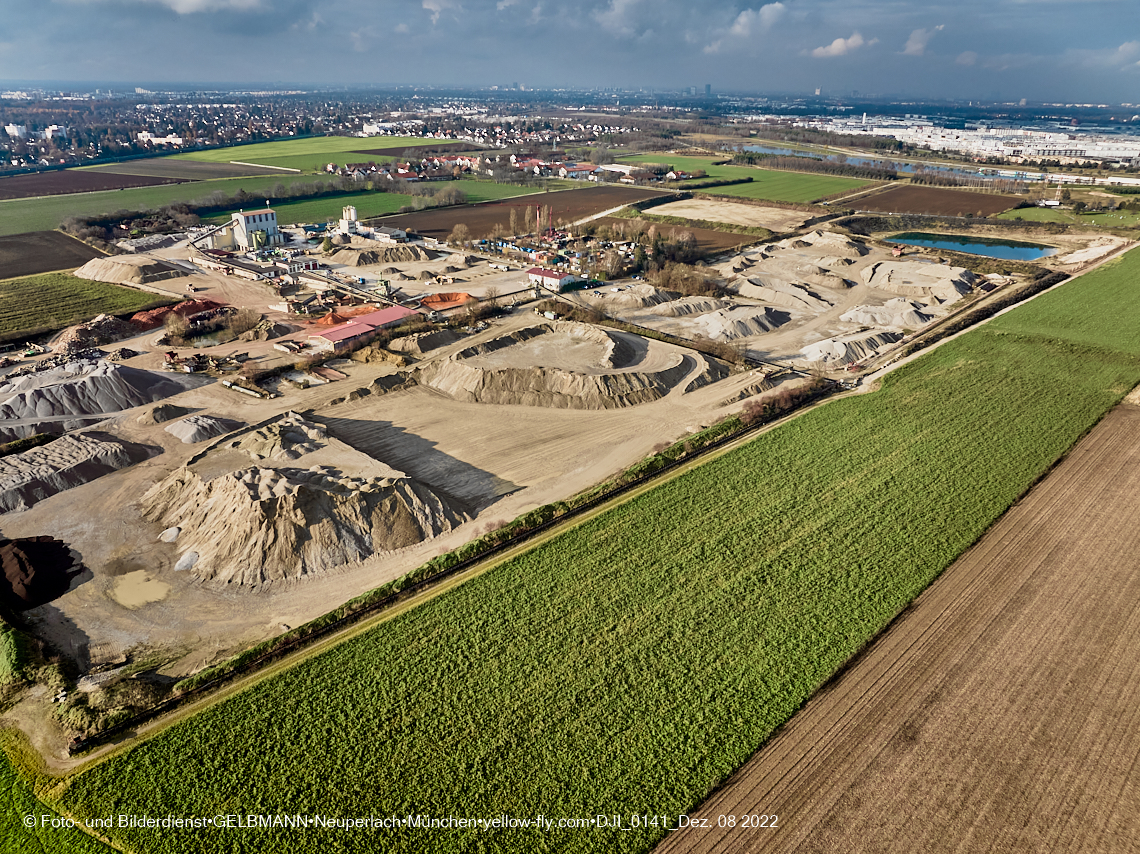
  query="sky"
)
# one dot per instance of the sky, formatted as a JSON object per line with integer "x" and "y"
{"x": 1051, "y": 50}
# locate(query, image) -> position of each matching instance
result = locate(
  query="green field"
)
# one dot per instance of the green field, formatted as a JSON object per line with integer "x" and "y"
{"x": 310, "y": 155}
{"x": 800, "y": 187}
{"x": 632, "y": 663}
{"x": 1112, "y": 219}
{"x": 16, "y": 837}
{"x": 55, "y": 300}
{"x": 18, "y": 216}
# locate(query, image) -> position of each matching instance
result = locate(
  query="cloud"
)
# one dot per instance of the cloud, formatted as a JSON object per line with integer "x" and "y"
{"x": 967, "y": 57}
{"x": 842, "y": 47}
{"x": 748, "y": 23}
{"x": 916, "y": 44}
{"x": 435, "y": 7}
{"x": 618, "y": 16}
{"x": 189, "y": 7}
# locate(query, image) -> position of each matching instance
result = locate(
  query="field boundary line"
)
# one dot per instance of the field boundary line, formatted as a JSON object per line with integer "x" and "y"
{"x": 263, "y": 166}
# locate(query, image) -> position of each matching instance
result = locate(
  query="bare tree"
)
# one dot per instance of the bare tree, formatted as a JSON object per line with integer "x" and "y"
{"x": 460, "y": 235}
{"x": 177, "y": 327}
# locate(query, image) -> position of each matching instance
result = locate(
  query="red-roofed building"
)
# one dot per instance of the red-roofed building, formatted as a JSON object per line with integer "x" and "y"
{"x": 551, "y": 279}
{"x": 360, "y": 330}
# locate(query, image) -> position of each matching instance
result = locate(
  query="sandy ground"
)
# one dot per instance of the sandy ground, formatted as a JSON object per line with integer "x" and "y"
{"x": 773, "y": 219}
{"x": 1000, "y": 713}
{"x": 499, "y": 460}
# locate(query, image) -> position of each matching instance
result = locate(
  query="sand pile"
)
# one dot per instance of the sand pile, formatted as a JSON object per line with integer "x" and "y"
{"x": 637, "y": 296}
{"x": 264, "y": 524}
{"x": 102, "y": 330}
{"x": 918, "y": 279}
{"x": 829, "y": 243}
{"x": 848, "y": 349}
{"x": 424, "y": 342}
{"x": 740, "y": 322}
{"x": 687, "y": 306}
{"x": 67, "y": 462}
{"x": 78, "y": 393}
{"x": 780, "y": 292}
{"x": 897, "y": 312}
{"x": 289, "y": 437}
{"x": 34, "y": 571}
{"x": 199, "y": 428}
{"x": 370, "y": 254}
{"x": 128, "y": 270}
{"x": 444, "y": 301}
{"x": 163, "y": 412}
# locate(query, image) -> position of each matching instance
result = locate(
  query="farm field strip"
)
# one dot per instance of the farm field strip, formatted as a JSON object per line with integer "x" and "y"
{"x": 1111, "y": 219}
{"x": 1004, "y": 699}
{"x": 67, "y": 181}
{"x": 42, "y": 252}
{"x": 942, "y": 201}
{"x": 776, "y": 185}
{"x": 311, "y": 155}
{"x": 631, "y": 664}
{"x": 172, "y": 167}
{"x": 54, "y": 300}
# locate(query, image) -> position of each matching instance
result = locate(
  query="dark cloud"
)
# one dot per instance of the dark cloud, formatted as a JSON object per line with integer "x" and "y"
{"x": 1028, "y": 48}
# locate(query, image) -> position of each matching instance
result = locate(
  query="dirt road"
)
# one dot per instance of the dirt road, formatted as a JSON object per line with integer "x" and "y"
{"x": 1000, "y": 713}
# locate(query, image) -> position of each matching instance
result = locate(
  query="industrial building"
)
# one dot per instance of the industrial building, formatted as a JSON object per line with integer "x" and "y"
{"x": 550, "y": 279}
{"x": 359, "y": 330}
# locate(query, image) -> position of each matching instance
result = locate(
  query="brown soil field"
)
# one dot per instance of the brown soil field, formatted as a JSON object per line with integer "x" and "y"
{"x": 481, "y": 218}
{"x": 72, "y": 181}
{"x": 183, "y": 170}
{"x": 708, "y": 241}
{"x": 1000, "y": 712}
{"x": 936, "y": 200}
{"x": 42, "y": 252}
{"x": 773, "y": 219}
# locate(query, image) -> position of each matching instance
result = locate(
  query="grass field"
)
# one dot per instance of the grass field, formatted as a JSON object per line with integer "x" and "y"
{"x": 1113, "y": 219}
{"x": 800, "y": 187}
{"x": 309, "y": 155}
{"x": 23, "y": 215}
{"x": 55, "y": 300}
{"x": 630, "y": 664}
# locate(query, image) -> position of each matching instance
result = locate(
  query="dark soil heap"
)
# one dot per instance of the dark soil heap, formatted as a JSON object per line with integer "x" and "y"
{"x": 35, "y": 570}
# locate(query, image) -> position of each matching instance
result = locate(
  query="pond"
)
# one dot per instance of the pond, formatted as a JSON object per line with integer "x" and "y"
{"x": 1006, "y": 250}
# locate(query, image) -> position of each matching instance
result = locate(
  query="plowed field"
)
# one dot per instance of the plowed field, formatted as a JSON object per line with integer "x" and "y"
{"x": 72, "y": 181}
{"x": 936, "y": 201}
{"x": 42, "y": 252}
{"x": 568, "y": 205}
{"x": 1000, "y": 713}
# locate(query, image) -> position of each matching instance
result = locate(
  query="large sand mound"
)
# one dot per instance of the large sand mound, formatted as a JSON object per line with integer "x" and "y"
{"x": 898, "y": 312}
{"x": 636, "y": 296}
{"x": 34, "y": 571}
{"x": 63, "y": 396}
{"x": 199, "y": 428}
{"x": 367, "y": 256}
{"x": 262, "y": 523}
{"x": 163, "y": 412}
{"x": 848, "y": 349}
{"x": 740, "y": 322}
{"x": 918, "y": 279}
{"x": 423, "y": 342}
{"x": 687, "y": 306}
{"x": 128, "y": 270}
{"x": 780, "y": 292}
{"x": 67, "y": 462}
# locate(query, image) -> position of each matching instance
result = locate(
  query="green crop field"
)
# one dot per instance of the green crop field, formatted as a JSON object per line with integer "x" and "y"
{"x": 770, "y": 184}
{"x": 630, "y": 664}
{"x": 18, "y": 216}
{"x": 311, "y": 155}
{"x": 1109, "y": 219}
{"x": 19, "y": 801}
{"x": 55, "y": 300}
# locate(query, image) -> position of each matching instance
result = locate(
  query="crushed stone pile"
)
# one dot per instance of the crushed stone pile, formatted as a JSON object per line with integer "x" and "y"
{"x": 257, "y": 524}
{"x": 162, "y": 413}
{"x": 424, "y": 342}
{"x": 266, "y": 330}
{"x": 65, "y": 396}
{"x": 128, "y": 270}
{"x": 918, "y": 279}
{"x": 848, "y": 349}
{"x": 829, "y": 243}
{"x": 122, "y": 354}
{"x": 740, "y": 322}
{"x": 199, "y": 428}
{"x": 686, "y": 306}
{"x": 56, "y": 361}
{"x": 104, "y": 329}
{"x": 69, "y": 461}
{"x": 34, "y": 571}
{"x": 897, "y": 312}
{"x": 637, "y": 296}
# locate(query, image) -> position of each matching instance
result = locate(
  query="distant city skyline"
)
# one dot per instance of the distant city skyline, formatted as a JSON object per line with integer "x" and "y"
{"x": 1042, "y": 50}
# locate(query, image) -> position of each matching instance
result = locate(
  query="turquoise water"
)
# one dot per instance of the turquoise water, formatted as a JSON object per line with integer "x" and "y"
{"x": 1006, "y": 250}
